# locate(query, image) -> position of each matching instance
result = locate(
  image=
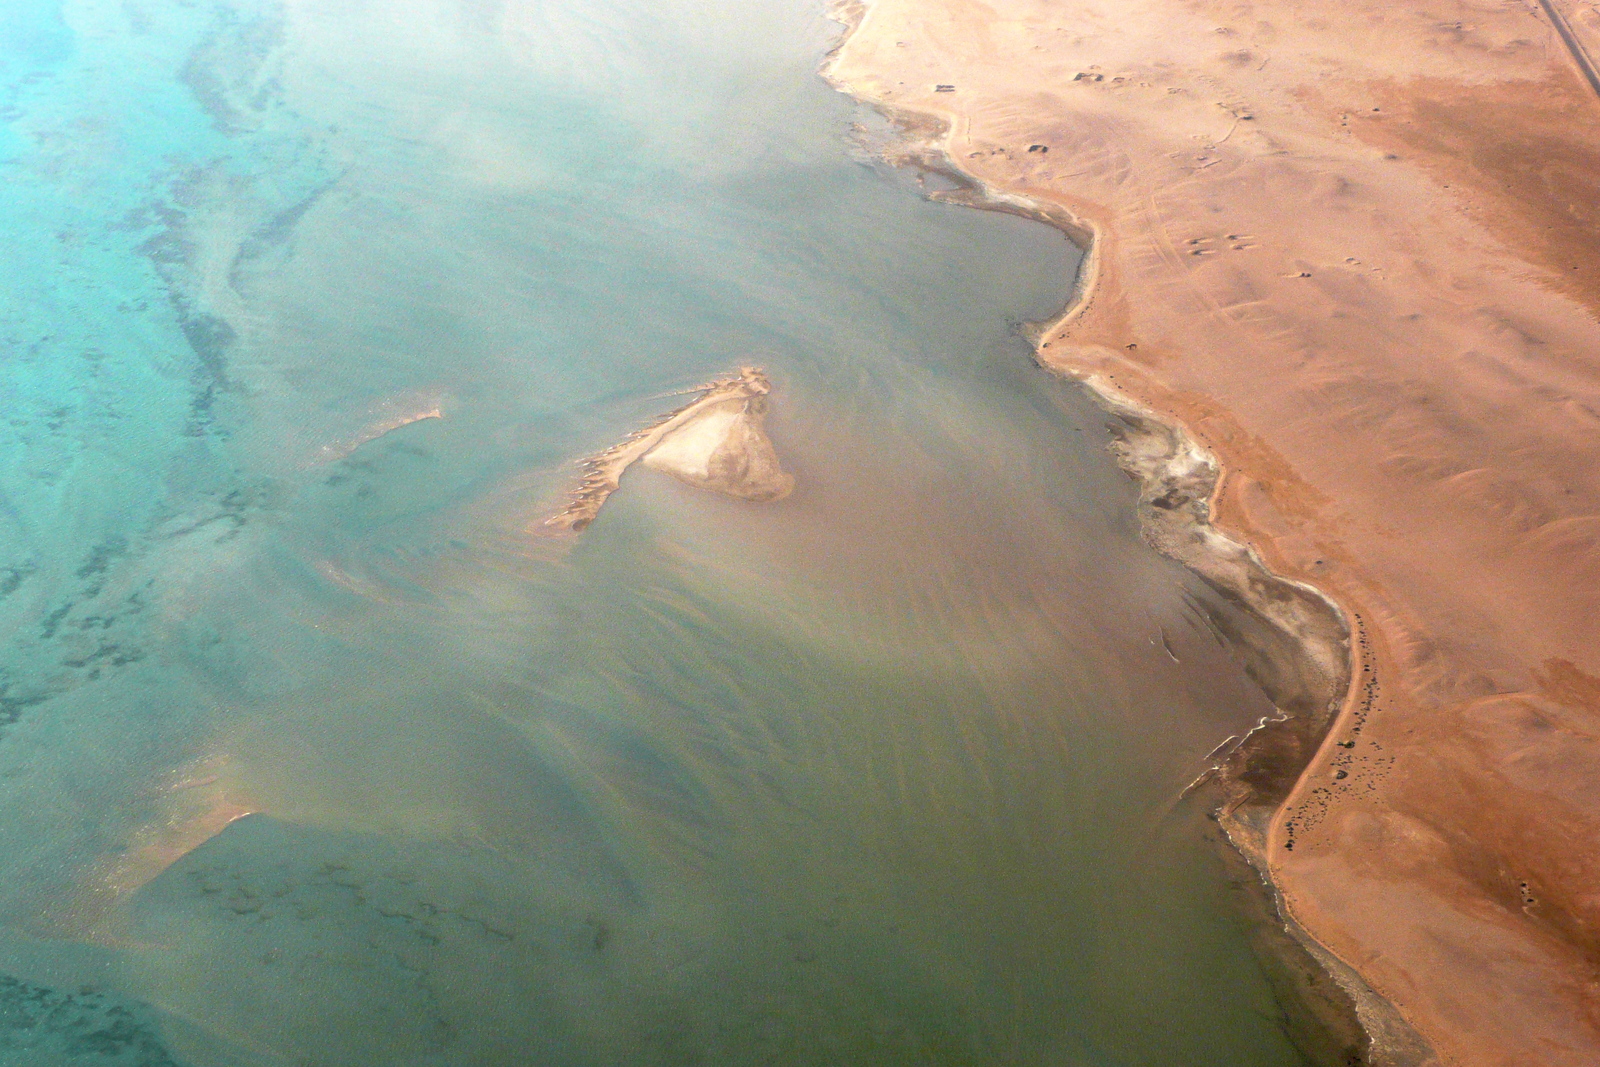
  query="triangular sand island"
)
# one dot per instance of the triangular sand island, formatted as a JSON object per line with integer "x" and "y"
{"x": 718, "y": 441}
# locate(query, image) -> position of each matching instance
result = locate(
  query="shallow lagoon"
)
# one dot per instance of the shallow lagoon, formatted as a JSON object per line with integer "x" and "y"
{"x": 314, "y": 751}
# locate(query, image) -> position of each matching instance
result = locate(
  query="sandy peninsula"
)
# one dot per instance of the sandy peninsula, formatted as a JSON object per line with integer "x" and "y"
{"x": 1351, "y": 251}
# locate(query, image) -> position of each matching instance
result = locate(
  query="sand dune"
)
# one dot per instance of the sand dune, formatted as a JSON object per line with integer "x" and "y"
{"x": 1354, "y": 249}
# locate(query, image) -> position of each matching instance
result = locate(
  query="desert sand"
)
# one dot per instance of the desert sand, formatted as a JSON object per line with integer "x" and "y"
{"x": 718, "y": 442}
{"x": 1352, "y": 250}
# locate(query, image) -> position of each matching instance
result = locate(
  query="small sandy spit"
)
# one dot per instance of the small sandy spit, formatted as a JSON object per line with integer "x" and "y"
{"x": 1352, "y": 250}
{"x": 718, "y": 442}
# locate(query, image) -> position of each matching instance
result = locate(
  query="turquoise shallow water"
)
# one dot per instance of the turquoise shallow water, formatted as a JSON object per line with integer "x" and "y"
{"x": 313, "y": 751}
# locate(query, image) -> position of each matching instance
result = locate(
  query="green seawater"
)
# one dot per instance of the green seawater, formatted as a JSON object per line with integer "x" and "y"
{"x": 314, "y": 750}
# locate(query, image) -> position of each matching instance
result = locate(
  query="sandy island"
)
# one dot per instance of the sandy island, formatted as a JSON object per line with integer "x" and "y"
{"x": 1353, "y": 250}
{"x": 717, "y": 441}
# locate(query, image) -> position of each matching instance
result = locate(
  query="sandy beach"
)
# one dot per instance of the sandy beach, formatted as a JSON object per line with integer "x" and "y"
{"x": 1353, "y": 250}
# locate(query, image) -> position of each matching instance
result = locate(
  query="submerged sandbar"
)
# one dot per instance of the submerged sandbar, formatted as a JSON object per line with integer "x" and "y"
{"x": 1353, "y": 250}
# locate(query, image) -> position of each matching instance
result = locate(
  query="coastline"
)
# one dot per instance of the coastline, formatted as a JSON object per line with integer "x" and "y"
{"x": 1203, "y": 501}
{"x": 1301, "y": 627}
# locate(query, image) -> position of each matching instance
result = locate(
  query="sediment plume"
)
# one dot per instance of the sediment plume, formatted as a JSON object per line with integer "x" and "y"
{"x": 717, "y": 442}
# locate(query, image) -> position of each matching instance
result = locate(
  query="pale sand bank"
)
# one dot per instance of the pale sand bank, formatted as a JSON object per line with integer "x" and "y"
{"x": 717, "y": 442}
{"x": 1354, "y": 249}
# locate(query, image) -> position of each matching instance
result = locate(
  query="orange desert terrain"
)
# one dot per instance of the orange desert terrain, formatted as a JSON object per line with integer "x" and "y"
{"x": 1353, "y": 249}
